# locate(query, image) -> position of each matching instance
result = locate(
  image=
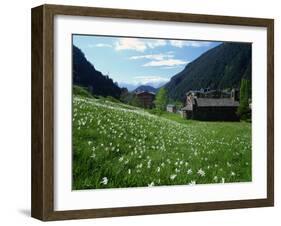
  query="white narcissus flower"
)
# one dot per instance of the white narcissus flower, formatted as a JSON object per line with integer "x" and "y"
{"x": 121, "y": 159}
{"x": 104, "y": 181}
{"x": 201, "y": 172}
{"x": 158, "y": 169}
{"x": 215, "y": 178}
{"x": 193, "y": 182}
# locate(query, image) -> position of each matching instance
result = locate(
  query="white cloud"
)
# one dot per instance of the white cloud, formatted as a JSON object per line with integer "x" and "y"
{"x": 156, "y": 43}
{"x": 169, "y": 67}
{"x": 99, "y": 45}
{"x": 154, "y": 80}
{"x": 103, "y": 45}
{"x": 136, "y": 44}
{"x": 169, "y": 62}
{"x": 159, "y": 56}
{"x": 177, "y": 43}
{"x": 151, "y": 80}
{"x": 180, "y": 44}
{"x": 130, "y": 43}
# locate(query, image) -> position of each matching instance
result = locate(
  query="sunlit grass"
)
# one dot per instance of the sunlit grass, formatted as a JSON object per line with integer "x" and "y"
{"x": 117, "y": 145}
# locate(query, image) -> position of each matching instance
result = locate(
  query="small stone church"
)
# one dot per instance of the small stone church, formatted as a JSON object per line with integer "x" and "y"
{"x": 211, "y": 105}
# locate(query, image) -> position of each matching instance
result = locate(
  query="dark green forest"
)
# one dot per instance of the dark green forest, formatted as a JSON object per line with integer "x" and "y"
{"x": 85, "y": 75}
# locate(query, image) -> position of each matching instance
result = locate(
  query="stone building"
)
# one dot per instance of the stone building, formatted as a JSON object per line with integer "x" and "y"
{"x": 171, "y": 108}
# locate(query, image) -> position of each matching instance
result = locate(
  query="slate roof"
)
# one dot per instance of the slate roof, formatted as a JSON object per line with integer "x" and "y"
{"x": 216, "y": 102}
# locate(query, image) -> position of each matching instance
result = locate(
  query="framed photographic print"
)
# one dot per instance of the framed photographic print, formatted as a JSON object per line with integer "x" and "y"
{"x": 141, "y": 112}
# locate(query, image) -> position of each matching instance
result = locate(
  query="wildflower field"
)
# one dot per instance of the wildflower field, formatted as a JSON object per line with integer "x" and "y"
{"x": 117, "y": 145}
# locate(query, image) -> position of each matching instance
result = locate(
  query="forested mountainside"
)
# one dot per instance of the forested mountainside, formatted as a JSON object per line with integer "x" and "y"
{"x": 219, "y": 68}
{"x": 85, "y": 74}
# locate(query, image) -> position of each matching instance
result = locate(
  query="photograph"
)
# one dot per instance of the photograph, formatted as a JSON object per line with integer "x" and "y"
{"x": 160, "y": 112}
{"x": 138, "y": 112}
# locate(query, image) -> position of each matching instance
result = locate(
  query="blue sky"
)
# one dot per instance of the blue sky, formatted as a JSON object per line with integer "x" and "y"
{"x": 139, "y": 61}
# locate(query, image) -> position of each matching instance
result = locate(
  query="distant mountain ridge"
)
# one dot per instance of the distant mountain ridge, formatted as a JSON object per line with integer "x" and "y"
{"x": 145, "y": 88}
{"x": 85, "y": 74}
{"x": 221, "y": 67}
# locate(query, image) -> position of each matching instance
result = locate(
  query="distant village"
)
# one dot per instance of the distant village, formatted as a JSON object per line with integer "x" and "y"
{"x": 203, "y": 104}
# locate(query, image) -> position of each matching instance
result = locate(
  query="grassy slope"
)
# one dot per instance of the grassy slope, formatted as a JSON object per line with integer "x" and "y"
{"x": 124, "y": 146}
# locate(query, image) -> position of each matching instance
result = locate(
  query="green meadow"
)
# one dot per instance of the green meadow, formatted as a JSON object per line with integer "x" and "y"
{"x": 117, "y": 145}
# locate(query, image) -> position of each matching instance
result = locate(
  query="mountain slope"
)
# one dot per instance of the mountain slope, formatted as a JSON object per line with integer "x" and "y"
{"x": 84, "y": 74}
{"x": 221, "y": 67}
{"x": 145, "y": 88}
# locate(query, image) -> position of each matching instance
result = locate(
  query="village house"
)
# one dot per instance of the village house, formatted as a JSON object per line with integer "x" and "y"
{"x": 171, "y": 108}
{"x": 145, "y": 99}
{"x": 211, "y": 105}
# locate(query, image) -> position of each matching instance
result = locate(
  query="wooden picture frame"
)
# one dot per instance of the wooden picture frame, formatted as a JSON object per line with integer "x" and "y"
{"x": 42, "y": 203}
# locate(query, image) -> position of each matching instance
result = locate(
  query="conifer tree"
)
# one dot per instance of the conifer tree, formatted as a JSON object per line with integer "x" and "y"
{"x": 243, "y": 109}
{"x": 161, "y": 99}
